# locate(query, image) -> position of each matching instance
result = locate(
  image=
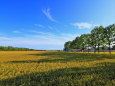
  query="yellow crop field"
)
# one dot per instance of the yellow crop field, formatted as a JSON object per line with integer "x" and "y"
{"x": 54, "y": 68}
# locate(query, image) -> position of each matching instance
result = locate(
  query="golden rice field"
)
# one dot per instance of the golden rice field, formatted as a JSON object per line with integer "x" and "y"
{"x": 54, "y": 68}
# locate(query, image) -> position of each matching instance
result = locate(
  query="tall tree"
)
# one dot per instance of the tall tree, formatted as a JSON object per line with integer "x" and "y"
{"x": 103, "y": 37}
{"x": 98, "y": 37}
{"x": 85, "y": 41}
{"x": 94, "y": 39}
{"x": 88, "y": 41}
{"x": 110, "y": 30}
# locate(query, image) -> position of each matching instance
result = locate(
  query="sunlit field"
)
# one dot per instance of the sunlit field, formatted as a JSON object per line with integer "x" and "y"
{"x": 54, "y": 68}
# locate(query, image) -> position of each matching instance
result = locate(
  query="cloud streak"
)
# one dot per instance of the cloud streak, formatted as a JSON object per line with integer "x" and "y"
{"x": 48, "y": 15}
{"x": 83, "y": 25}
{"x": 16, "y": 31}
{"x": 39, "y": 25}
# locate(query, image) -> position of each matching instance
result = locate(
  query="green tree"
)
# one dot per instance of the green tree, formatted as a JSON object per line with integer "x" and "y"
{"x": 83, "y": 41}
{"x": 94, "y": 39}
{"x": 79, "y": 42}
{"x": 103, "y": 38}
{"x": 67, "y": 45}
{"x": 76, "y": 43}
{"x": 88, "y": 41}
{"x": 110, "y": 30}
{"x": 98, "y": 37}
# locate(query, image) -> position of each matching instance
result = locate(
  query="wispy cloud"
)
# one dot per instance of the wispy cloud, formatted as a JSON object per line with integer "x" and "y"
{"x": 82, "y": 25}
{"x": 39, "y": 39}
{"x": 96, "y": 25}
{"x": 15, "y": 31}
{"x": 50, "y": 27}
{"x": 42, "y": 33}
{"x": 2, "y": 34}
{"x": 39, "y": 25}
{"x": 48, "y": 15}
{"x": 69, "y": 37}
{"x": 54, "y": 29}
{"x": 62, "y": 36}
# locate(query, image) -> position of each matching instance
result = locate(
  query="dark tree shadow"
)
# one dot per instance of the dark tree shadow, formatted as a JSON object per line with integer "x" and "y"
{"x": 66, "y": 57}
{"x": 93, "y": 76}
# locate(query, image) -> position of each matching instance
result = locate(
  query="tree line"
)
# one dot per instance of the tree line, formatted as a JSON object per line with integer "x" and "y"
{"x": 99, "y": 38}
{"x": 10, "y": 48}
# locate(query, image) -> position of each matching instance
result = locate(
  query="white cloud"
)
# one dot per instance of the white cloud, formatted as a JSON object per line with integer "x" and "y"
{"x": 39, "y": 25}
{"x": 83, "y": 25}
{"x": 16, "y": 31}
{"x": 47, "y": 13}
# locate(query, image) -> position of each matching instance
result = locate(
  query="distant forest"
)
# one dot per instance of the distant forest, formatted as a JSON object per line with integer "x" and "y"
{"x": 10, "y": 48}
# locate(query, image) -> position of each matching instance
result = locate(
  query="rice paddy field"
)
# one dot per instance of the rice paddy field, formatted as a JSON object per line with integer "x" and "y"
{"x": 56, "y": 68}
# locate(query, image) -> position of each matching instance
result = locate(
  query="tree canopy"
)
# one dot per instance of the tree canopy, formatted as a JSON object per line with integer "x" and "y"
{"x": 99, "y": 38}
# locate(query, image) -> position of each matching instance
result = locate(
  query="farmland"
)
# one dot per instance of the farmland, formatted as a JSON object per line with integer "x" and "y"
{"x": 52, "y": 68}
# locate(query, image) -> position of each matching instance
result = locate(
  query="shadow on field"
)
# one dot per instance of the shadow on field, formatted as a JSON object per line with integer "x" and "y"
{"x": 66, "y": 57}
{"x": 93, "y": 76}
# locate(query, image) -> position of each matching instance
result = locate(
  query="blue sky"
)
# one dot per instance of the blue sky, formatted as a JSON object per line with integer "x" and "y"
{"x": 48, "y": 24}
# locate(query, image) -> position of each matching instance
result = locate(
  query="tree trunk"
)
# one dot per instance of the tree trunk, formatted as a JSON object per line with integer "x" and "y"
{"x": 104, "y": 49}
{"x": 95, "y": 49}
{"x": 83, "y": 49}
{"x": 88, "y": 48}
{"x": 98, "y": 48}
{"x": 109, "y": 48}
